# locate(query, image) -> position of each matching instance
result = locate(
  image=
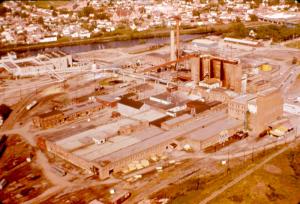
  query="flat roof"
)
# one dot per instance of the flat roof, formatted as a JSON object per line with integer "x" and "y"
{"x": 200, "y": 106}
{"x": 173, "y": 98}
{"x": 205, "y": 42}
{"x": 267, "y": 91}
{"x": 75, "y": 141}
{"x": 243, "y": 41}
{"x": 244, "y": 98}
{"x": 131, "y": 103}
{"x": 149, "y": 115}
{"x": 10, "y": 64}
{"x": 214, "y": 129}
{"x": 181, "y": 118}
{"x": 80, "y": 107}
{"x": 162, "y": 137}
{"x": 158, "y": 105}
{"x": 119, "y": 146}
{"x": 67, "y": 132}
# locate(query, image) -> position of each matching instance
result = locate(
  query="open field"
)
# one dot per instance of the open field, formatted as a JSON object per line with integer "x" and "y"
{"x": 278, "y": 181}
{"x": 294, "y": 44}
{"x": 272, "y": 183}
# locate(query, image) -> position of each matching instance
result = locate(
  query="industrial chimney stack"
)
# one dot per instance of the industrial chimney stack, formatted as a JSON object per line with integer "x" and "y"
{"x": 172, "y": 38}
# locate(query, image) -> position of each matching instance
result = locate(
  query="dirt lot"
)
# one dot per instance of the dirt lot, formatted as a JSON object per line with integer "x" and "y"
{"x": 25, "y": 179}
{"x": 81, "y": 196}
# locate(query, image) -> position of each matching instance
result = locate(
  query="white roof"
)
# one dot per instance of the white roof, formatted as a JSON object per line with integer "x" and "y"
{"x": 249, "y": 42}
{"x": 149, "y": 115}
{"x": 204, "y": 41}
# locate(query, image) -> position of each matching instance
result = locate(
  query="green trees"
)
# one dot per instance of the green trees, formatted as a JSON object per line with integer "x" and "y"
{"x": 294, "y": 60}
{"x": 98, "y": 14}
{"x": 86, "y": 11}
{"x": 40, "y": 20}
{"x": 237, "y": 30}
{"x": 277, "y": 33}
{"x": 196, "y": 12}
{"x": 54, "y": 13}
{"x": 3, "y": 10}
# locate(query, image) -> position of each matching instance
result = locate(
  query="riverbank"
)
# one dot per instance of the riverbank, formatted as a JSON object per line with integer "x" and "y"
{"x": 133, "y": 35}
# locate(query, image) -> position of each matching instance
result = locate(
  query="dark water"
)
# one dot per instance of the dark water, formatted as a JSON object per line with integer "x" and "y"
{"x": 96, "y": 46}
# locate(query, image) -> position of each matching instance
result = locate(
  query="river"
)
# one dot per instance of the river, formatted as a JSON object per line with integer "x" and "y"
{"x": 115, "y": 44}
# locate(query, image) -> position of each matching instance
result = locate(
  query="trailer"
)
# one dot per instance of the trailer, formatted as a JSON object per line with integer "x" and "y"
{"x": 121, "y": 198}
{"x": 3, "y": 139}
{"x": 3, "y": 183}
{"x": 239, "y": 135}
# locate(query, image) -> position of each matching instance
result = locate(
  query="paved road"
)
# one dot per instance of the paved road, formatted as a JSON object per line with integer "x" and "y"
{"x": 242, "y": 176}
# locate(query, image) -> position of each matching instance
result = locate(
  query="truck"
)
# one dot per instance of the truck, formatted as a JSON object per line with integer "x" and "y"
{"x": 31, "y": 105}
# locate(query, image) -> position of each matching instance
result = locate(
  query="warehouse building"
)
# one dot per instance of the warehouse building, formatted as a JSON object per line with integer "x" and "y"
{"x": 42, "y": 64}
{"x": 216, "y": 133}
{"x": 71, "y": 113}
{"x": 108, "y": 149}
{"x": 128, "y": 107}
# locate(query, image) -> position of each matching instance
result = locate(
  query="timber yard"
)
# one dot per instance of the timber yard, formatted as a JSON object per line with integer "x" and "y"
{"x": 125, "y": 124}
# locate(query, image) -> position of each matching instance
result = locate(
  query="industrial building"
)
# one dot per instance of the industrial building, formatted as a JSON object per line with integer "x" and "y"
{"x": 119, "y": 145}
{"x": 242, "y": 42}
{"x": 70, "y": 113}
{"x": 228, "y": 71}
{"x": 216, "y": 133}
{"x": 45, "y": 63}
{"x": 128, "y": 107}
{"x": 257, "y": 110}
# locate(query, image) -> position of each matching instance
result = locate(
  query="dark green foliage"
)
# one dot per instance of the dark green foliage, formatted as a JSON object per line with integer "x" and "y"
{"x": 277, "y": 33}
{"x": 237, "y": 30}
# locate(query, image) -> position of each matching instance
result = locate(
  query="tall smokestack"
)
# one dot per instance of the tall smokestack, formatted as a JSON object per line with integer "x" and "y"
{"x": 177, "y": 37}
{"x": 172, "y": 38}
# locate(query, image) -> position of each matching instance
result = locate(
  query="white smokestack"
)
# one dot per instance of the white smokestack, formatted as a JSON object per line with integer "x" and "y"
{"x": 172, "y": 38}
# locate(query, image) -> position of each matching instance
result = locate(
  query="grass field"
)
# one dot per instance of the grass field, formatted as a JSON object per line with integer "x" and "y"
{"x": 277, "y": 182}
{"x": 294, "y": 44}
